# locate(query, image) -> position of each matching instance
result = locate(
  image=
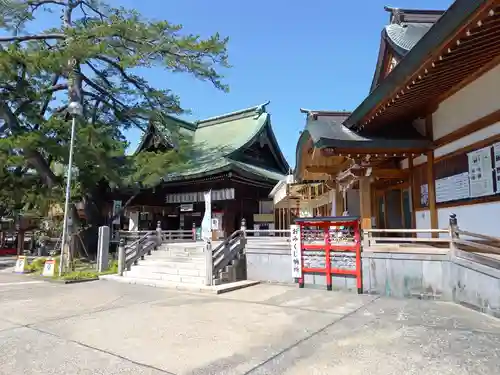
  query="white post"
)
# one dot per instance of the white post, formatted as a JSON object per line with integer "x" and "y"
{"x": 121, "y": 257}
{"x": 74, "y": 109}
{"x": 103, "y": 249}
{"x": 208, "y": 262}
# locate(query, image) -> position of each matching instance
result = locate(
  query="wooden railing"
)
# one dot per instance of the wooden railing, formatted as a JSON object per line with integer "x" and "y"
{"x": 164, "y": 236}
{"x": 370, "y": 237}
{"x": 268, "y": 234}
{"x": 473, "y": 242}
{"x": 177, "y": 235}
{"x": 225, "y": 253}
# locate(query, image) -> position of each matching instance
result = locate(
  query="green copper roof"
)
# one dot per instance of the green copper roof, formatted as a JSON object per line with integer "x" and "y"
{"x": 224, "y": 165}
{"x": 225, "y": 135}
{"x": 458, "y": 13}
{"x": 216, "y": 141}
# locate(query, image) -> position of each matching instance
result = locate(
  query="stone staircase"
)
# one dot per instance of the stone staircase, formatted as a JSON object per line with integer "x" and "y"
{"x": 175, "y": 263}
{"x": 183, "y": 265}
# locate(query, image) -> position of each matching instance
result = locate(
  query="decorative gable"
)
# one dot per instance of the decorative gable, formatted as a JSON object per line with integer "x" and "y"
{"x": 406, "y": 27}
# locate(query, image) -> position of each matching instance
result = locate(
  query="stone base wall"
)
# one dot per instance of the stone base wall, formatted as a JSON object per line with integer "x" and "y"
{"x": 469, "y": 279}
{"x": 269, "y": 261}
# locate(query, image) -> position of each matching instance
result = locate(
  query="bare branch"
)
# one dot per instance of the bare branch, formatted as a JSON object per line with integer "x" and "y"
{"x": 100, "y": 74}
{"x": 24, "y": 38}
{"x": 39, "y": 3}
{"x": 83, "y": 3}
{"x": 47, "y": 101}
{"x": 49, "y": 90}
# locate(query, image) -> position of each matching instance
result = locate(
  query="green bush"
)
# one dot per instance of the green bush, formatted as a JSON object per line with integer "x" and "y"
{"x": 80, "y": 275}
{"x": 37, "y": 265}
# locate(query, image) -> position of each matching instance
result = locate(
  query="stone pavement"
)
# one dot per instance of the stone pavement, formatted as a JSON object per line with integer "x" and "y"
{"x": 112, "y": 328}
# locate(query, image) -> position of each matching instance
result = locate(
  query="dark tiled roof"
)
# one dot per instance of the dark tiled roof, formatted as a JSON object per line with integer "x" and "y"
{"x": 329, "y": 131}
{"x": 408, "y": 26}
{"x": 403, "y": 37}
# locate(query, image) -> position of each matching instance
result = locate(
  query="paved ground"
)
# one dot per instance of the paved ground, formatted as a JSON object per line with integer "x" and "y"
{"x": 113, "y": 328}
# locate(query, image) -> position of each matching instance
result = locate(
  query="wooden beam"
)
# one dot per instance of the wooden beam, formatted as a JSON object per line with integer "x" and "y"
{"x": 397, "y": 174}
{"x": 391, "y": 173}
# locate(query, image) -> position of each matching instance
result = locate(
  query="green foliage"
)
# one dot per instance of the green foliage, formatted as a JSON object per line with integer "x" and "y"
{"x": 94, "y": 56}
{"x": 37, "y": 265}
{"x": 79, "y": 275}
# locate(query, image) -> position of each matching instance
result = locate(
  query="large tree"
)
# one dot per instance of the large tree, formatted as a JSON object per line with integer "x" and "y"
{"x": 93, "y": 54}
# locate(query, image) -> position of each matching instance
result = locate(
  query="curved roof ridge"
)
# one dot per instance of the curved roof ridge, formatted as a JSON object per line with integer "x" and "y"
{"x": 325, "y": 112}
{"x": 258, "y": 110}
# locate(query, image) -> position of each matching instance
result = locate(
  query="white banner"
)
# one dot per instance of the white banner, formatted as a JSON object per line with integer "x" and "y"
{"x": 296, "y": 251}
{"x": 117, "y": 206}
{"x": 206, "y": 223}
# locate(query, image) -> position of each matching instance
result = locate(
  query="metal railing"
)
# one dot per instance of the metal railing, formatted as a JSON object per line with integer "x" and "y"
{"x": 129, "y": 254}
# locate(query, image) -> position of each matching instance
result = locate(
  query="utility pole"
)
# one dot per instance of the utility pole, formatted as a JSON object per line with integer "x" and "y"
{"x": 75, "y": 109}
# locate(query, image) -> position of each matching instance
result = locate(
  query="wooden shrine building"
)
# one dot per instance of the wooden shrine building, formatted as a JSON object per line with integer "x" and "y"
{"x": 238, "y": 159}
{"x": 425, "y": 142}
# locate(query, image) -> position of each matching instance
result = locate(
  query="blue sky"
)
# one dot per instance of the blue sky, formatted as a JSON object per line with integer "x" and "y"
{"x": 319, "y": 54}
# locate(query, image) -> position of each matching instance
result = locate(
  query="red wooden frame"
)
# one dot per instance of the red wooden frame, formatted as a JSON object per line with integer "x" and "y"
{"x": 325, "y": 224}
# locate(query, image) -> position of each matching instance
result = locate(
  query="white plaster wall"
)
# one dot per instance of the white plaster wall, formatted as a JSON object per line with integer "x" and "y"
{"x": 481, "y": 218}
{"x": 476, "y": 100}
{"x": 468, "y": 140}
{"x": 423, "y": 221}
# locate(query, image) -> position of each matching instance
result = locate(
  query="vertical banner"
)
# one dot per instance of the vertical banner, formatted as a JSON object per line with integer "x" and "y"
{"x": 296, "y": 251}
{"x": 206, "y": 224}
{"x": 117, "y": 206}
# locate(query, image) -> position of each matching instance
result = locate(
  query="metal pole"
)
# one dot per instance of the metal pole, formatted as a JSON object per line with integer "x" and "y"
{"x": 68, "y": 195}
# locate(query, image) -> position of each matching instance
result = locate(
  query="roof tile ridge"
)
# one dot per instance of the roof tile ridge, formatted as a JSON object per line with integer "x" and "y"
{"x": 258, "y": 110}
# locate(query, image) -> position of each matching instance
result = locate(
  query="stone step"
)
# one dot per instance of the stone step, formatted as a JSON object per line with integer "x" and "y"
{"x": 180, "y": 252}
{"x": 159, "y": 283}
{"x": 215, "y": 289}
{"x": 180, "y": 255}
{"x": 176, "y": 259}
{"x": 141, "y": 274}
{"x": 171, "y": 264}
{"x": 170, "y": 270}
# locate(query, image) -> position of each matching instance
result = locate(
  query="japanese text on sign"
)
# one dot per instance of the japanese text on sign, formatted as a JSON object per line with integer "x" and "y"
{"x": 296, "y": 252}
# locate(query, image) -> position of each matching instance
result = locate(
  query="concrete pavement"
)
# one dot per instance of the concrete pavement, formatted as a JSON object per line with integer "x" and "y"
{"x": 112, "y": 328}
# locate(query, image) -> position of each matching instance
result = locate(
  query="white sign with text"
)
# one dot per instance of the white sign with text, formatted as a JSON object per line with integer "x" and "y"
{"x": 296, "y": 251}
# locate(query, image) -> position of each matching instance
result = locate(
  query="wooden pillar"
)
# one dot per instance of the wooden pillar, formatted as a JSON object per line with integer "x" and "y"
{"x": 413, "y": 189}
{"x": 339, "y": 202}
{"x": 431, "y": 181}
{"x": 374, "y": 203}
{"x": 365, "y": 202}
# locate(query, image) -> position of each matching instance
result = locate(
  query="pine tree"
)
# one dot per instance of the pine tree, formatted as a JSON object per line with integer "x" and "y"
{"x": 91, "y": 56}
